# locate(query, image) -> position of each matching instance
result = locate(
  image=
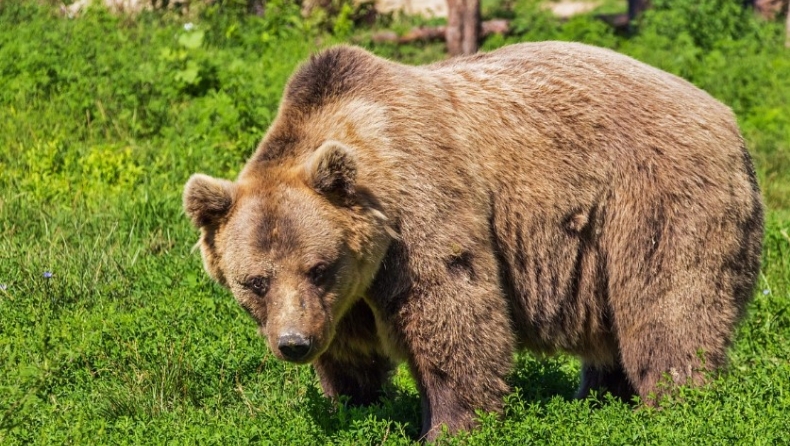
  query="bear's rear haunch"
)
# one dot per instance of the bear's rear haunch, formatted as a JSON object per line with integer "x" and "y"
{"x": 548, "y": 196}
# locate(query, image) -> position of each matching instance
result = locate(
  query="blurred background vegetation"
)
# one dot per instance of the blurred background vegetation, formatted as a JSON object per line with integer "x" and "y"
{"x": 111, "y": 333}
{"x": 145, "y": 77}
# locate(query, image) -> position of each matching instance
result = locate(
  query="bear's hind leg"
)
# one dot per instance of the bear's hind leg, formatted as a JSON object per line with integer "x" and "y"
{"x": 603, "y": 379}
{"x": 680, "y": 273}
{"x": 657, "y": 358}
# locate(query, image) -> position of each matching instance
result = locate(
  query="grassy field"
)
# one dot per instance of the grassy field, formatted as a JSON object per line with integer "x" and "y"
{"x": 111, "y": 333}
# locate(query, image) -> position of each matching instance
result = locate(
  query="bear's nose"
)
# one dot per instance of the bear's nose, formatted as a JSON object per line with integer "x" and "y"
{"x": 293, "y": 346}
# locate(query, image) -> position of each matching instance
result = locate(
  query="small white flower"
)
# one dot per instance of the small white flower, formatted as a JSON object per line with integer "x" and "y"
{"x": 766, "y": 292}
{"x": 188, "y": 26}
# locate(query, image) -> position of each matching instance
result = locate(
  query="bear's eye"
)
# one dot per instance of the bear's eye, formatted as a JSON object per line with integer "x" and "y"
{"x": 318, "y": 274}
{"x": 258, "y": 285}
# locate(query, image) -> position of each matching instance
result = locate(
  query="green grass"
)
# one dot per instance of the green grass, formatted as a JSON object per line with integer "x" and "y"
{"x": 101, "y": 122}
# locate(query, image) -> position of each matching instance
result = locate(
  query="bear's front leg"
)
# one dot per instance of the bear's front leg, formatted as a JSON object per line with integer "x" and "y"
{"x": 460, "y": 345}
{"x": 354, "y": 366}
{"x": 360, "y": 379}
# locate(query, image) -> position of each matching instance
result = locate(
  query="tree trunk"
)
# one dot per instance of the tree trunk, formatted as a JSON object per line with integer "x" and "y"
{"x": 463, "y": 26}
{"x": 768, "y": 9}
{"x": 471, "y": 26}
{"x": 787, "y": 28}
{"x": 636, "y": 8}
{"x": 256, "y": 7}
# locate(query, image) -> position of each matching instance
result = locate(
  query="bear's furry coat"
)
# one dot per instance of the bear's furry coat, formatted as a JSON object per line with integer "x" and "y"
{"x": 548, "y": 196}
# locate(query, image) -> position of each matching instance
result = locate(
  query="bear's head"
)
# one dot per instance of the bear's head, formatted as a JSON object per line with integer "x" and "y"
{"x": 296, "y": 243}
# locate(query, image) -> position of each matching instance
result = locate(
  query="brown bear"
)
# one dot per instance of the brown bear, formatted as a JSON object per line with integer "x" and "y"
{"x": 545, "y": 196}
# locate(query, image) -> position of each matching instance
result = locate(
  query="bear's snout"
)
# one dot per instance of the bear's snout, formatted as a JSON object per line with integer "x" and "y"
{"x": 294, "y": 346}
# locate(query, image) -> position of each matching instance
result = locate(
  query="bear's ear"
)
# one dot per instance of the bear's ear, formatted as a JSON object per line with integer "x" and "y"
{"x": 332, "y": 169}
{"x": 207, "y": 199}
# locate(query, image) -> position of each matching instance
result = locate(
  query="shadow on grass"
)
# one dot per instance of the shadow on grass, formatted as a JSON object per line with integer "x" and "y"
{"x": 395, "y": 405}
{"x": 534, "y": 380}
{"x": 541, "y": 379}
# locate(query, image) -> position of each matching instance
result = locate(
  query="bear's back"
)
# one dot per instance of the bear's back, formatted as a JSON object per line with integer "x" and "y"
{"x": 584, "y": 95}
